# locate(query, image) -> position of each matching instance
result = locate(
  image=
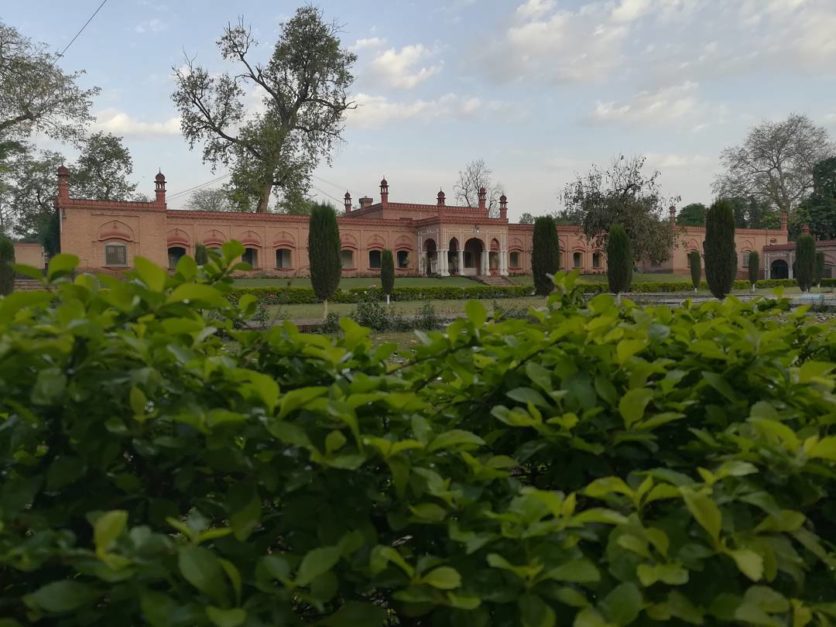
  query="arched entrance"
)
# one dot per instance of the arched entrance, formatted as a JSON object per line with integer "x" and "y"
{"x": 174, "y": 254}
{"x": 779, "y": 270}
{"x": 453, "y": 257}
{"x": 493, "y": 257}
{"x": 430, "y": 257}
{"x": 474, "y": 249}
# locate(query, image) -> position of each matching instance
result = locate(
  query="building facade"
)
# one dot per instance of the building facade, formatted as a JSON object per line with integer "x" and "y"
{"x": 425, "y": 239}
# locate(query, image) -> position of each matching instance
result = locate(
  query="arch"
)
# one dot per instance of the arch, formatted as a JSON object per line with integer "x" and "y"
{"x": 214, "y": 238}
{"x": 779, "y": 269}
{"x": 250, "y": 238}
{"x": 453, "y": 246}
{"x": 494, "y": 245}
{"x": 404, "y": 243}
{"x": 376, "y": 242}
{"x": 178, "y": 237}
{"x": 284, "y": 239}
{"x": 429, "y": 258}
{"x": 116, "y": 229}
{"x": 348, "y": 241}
{"x": 744, "y": 257}
{"x": 474, "y": 249}
{"x": 174, "y": 255}
{"x": 515, "y": 244}
{"x": 429, "y": 245}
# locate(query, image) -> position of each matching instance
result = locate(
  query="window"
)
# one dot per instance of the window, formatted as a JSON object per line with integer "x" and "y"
{"x": 596, "y": 260}
{"x": 515, "y": 260}
{"x": 403, "y": 258}
{"x": 576, "y": 260}
{"x": 174, "y": 254}
{"x": 746, "y": 254}
{"x": 374, "y": 259}
{"x": 250, "y": 256}
{"x": 116, "y": 255}
{"x": 347, "y": 258}
{"x": 283, "y": 258}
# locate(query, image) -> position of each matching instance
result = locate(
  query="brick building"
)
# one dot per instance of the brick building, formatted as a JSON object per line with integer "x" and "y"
{"x": 437, "y": 238}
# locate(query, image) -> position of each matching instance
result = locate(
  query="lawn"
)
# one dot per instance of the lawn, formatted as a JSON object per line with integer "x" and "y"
{"x": 347, "y": 283}
{"x": 639, "y": 277}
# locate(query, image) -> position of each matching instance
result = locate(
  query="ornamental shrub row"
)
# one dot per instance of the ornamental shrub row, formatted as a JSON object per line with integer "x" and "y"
{"x": 595, "y": 465}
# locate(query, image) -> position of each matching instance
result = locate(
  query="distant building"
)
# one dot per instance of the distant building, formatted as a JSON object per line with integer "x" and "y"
{"x": 426, "y": 239}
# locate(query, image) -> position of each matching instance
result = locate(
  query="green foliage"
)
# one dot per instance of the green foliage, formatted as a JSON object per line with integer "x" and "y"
{"x": 691, "y": 215}
{"x": 695, "y": 266}
{"x": 601, "y": 464}
{"x": 805, "y": 262}
{"x": 387, "y": 272}
{"x": 545, "y": 254}
{"x": 324, "y": 251}
{"x": 7, "y": 271}
{"x": 719, "y": 247}
{"x": 819, "y": 272}
{"x": 754, "y": 267}
{"x": 201, "y": 255}
{"x": 619, "y": 260}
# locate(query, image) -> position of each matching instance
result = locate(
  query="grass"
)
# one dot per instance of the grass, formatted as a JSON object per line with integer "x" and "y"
{"x": 348, "y": 283}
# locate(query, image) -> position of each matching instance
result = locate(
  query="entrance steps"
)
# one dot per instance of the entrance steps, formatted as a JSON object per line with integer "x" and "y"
{"x": 494, "y": 281}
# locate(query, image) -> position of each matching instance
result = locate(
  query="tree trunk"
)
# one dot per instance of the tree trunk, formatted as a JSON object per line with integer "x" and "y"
{"x": 325, "y": 309}
{"x": 264, "y": 198}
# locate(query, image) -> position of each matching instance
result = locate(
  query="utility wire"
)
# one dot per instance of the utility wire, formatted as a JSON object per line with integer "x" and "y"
{"x": 81, "y": 30}
{"x": 199, "y": 185}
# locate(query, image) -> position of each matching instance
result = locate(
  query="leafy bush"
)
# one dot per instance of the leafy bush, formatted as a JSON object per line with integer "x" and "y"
{"x": 619, "y": 260}
{"x": 7, "y": 260}
{"x": 607, "y": 465}
{"x": 372, "y": 314}
{"x": 805, "y": 262}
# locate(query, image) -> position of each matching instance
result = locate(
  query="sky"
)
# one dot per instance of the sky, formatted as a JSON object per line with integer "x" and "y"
{"x": 539, "y": 89}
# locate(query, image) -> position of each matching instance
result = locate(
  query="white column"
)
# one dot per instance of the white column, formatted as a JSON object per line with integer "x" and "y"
{"x": 443, "y": 268}
{"x": 790, "y": 264}
{"x": 485, "y": 258}
{"x": 461, "y": 260}
{"x": 503, "y": 262}
{"x": 423, "y": 265}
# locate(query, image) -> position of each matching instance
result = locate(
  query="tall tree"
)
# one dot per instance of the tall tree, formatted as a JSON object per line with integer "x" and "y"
{"x": 7, "y": 259}
{"x": 805, "y": 262}
{"x": 719, "y": 248}
{"x": 387, "y": 274}
{"x": 526, "y": 218}
{"x": 775, "y": 163}
{"x": 475, "y": 176}
{"x": 102, "y": 169}
{"x": 545, "y": 254}
{"x": 210, "y": 199}
{"x": 324, "y": 252}
{"x": 36, "y": 95}
{"x": 619, "y": 260}
{"x": 623, "y": 194}
{"x": 29, "y": 186}
{"x": 818, "y": 210}
{"x": 751, "y": 212}
{"x": 694, "y": 265}
{"x": 691, "y": 215}
{"x": 303, "y": 89}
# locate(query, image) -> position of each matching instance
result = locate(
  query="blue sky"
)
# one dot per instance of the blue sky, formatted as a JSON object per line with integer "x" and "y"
{"x": 540, "y": 89}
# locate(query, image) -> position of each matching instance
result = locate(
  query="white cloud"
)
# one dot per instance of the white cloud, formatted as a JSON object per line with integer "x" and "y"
{"x": 154, "y": 25}
{"x": 121, "y": 123}
{"x": 629, "y": 10}
{"x": 534, "y": 8}
{"x": 404, "y": 68}
{"x": 663, "y": 105}
{"x": 674, "y": 161}
{"x": 368, "y": 42}
{"x": 376, "y": 111}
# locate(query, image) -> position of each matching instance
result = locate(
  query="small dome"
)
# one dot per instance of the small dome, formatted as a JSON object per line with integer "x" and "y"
{"x": 384, "y": 182}
{"x": 482, "y": 191}
{"x": 347, "y": 196}
{"x": 63, "y": 171}
{"x": 503, "y": 198}
{"x": 160, "y": 178}
{"x": 441, "y": 193}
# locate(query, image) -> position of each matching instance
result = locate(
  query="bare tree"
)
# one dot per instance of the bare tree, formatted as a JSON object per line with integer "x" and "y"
{"x": 210, "y": 199}
{"x": 303, "y": 89}
{"x": 475, "y": 176}
{"x": 775, "y": 163}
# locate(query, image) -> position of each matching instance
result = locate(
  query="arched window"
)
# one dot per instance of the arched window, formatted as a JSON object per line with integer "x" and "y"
{"x": 515, "y": 260}
{"x": 347, "y": 258}
{"x": 284, "y": 258}
{"x": 403, "y": 258}
{"x": 576, "y": 260}
{"x": 745, "y": 260}
{"x": 174, "y": 254}
{"x": 250, "y": 256}
{"x": 374, "y": 259}
{"x": 116, "y": 255}
{"x": 596, "y": 260}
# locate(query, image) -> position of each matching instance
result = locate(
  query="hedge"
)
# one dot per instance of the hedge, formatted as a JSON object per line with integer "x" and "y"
{"x": 299, "y": 295}
{"x": 596, "y": 465}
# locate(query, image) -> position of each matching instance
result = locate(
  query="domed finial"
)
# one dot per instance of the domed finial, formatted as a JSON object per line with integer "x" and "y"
{"x": 160, "y": 178}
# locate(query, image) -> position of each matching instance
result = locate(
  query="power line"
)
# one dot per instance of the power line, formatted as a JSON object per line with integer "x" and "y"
{"x": 81, "y": 30}
{"x": 199, "y": 185}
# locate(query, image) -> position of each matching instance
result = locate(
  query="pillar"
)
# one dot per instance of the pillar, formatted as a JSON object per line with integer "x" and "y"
{"x": 484, "y": 261}
{"x": 503, "y": 262}
{"x": 424, "y": 269}
{"x": 461, "y": 260}
{"x": 443, "y": 269}
{"x": 790, "y": 263}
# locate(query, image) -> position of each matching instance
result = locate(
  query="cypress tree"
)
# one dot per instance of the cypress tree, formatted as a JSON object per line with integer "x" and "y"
{"x": 545, "y": 254}
{"x": 387, "y": 274}
{"x": 324, "y": 252}
{"x": 201, "y": 256}
{"x": 719, "y": 248}
{"x": 694, "y": 263}
{"x": 754, "y": 268}
{"x": 7, "y": 259}
{"x": 805, "y": 262}
{"x": 619, "y": 260}
{"x": 819, "y": 267}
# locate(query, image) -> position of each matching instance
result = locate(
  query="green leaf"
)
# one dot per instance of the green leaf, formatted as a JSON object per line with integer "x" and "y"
{"x": 476, "y": 312}
{"x": 528, "y": 395}
{"x": 195, "y": 293}
{"x": 150, "y": 273}
{"x": 704, "y": 510}
{"x": 316, "y": 562}
{"x": 719, "y": 383}
{"x": 628, "y": 348}
{"x": 356, "y": 614}
{"x": 107, "y": 528}
{"x": 49, "y": 387}
{"x": 186, "y": 267}
{"x": 60, "y": 265}
{"x": 294, "y": 399}
{"x": 633, "y": 405}
{"x": 589, "y": 617}
{"x": 60, "y": 597}
{"x": 623, "y": 604}
{"x": 201, "y": 568}
{"x": 576, "y": 571}
{"x": 226, "y": 618}
{"x": 428, "y": 512}
{"x": 824, "y": 449}
{"x": 534, "y": 612}
{"x": 455, "y": 438}
{"x": 748, "y": 562}
{"x": 607, "y": 485}
{"x": 244, "y": 510}
{"x": 443, "y": 578}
